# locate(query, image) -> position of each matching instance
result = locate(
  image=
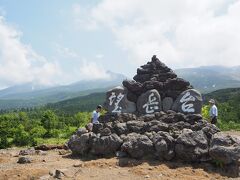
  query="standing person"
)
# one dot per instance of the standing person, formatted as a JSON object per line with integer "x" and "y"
{"x": 213, "y": 111}
{"x": 94, "y": 118}
{"x": 96, "y": 114}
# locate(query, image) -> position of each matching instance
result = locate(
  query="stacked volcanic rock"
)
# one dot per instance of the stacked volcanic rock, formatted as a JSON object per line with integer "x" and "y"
{"x": 155, "y": 87}
{"x": 163, "y": 135}
{"x": 156, "y": 75}
{"x": 157, "y": 116}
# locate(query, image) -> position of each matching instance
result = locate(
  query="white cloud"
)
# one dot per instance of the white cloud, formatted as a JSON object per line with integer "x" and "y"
{"x": 65, "y": 52}
{"x": 91, "y": 71}
{"x": 19, "y": 63}
{"x": 82, "y": 19}
{"x": 183, "y": 33}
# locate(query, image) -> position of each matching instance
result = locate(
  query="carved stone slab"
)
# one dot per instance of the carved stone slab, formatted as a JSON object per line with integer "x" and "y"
{"x": 188, "y": 102}
{"x": 149, "y": 102}
{"x": 117, "y": 102}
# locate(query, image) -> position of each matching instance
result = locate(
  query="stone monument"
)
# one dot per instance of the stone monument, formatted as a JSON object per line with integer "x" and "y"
{"x": 157, "y": 115}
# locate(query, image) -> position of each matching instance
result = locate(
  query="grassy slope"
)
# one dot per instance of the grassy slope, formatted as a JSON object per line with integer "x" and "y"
{"x": 224, "y": 95}
{"x": 74, "y": 105}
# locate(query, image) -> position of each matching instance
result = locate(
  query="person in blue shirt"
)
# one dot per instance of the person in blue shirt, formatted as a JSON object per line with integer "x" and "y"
{"x": 94, "y": 118}
{"x": 213, "y": 111}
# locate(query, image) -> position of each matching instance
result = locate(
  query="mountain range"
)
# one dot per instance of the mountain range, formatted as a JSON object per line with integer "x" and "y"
{"x": 30, "y": 95}
{"x": 206, "y": 79}
{"x": 211, "y": 78}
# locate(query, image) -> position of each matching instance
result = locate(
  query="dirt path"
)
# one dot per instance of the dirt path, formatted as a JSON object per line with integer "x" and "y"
{"x": 236, "y": 133}
{"x": 101, "y": 169}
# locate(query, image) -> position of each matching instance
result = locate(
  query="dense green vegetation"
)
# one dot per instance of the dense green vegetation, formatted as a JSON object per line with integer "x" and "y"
{"x": 38, "y": 126}
{"x": 55, "y": 123}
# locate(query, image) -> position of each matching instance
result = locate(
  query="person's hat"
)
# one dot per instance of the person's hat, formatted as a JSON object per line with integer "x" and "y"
{"x": 212, "y": 101}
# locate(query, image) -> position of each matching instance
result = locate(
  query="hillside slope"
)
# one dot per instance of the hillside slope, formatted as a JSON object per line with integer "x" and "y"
{"x": 32, "y": 95}
{"x": 228, "y": 103}
{"x": 225, "y": 95}
{"x": 74, "y": 105}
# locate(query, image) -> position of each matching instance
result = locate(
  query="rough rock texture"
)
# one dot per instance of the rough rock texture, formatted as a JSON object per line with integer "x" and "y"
{"x": 24, "y": 160}
{"x": 162, "y": 135}
{"x": 192, "y": 146}
{"x": 164, "y": 130}
{"x": 177, "y": 133}
{"x": 79, "y": 144}
{"x": 137, "y": 145}
{"x": 105, "y": 145}
{"x": 167, "y": 103}
{"x": 225, "y": 148}
{"x": 155, "y": 87}
{"x": 164, "y": 145}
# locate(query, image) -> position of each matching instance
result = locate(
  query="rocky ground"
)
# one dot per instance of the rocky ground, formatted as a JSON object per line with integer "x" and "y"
{"x": 60, "y": 163}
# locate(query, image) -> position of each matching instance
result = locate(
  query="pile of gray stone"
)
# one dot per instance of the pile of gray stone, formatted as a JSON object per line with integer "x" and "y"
{"x": 157, "y": 116}
{"x": 155, "y": 87}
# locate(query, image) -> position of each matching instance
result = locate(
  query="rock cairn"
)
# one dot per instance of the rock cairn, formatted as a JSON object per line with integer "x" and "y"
{"x": 155, "y": 87}
{"x": 157, "y": 116}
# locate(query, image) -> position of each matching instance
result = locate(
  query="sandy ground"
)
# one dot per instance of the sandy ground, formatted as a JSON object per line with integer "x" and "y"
{"x": 45, "y": 166}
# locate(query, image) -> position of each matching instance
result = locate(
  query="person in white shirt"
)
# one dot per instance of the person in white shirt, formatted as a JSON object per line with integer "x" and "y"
{"x": 213, "y": 111}
{"x": 94, "y": 118}
{"x": 96, "y": 114}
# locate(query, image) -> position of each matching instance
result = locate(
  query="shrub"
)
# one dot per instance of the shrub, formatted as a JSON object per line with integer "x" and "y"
{"x": 38, "y": 132}
{"x": 55, "y": 133}
{"x": 21, "y": 137}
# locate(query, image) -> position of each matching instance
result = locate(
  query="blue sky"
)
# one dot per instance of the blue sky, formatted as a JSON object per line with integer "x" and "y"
{"x": 59, "y": 41}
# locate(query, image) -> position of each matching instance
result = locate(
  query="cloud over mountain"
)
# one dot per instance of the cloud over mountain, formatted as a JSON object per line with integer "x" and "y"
{"x": 184, "y": 33}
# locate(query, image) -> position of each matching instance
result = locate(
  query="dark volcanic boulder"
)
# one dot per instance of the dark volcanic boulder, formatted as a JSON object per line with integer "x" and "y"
{"x": 225, "y": 148}
{"x": 189, "y": 101}
{"x": 155, "y": 126}
{"x": 97, "y": 128}
{"x": 210, "y": 130}
{"x": 142, "y": 77}
{"x": 137, "y": 145}
{"x": 149, "y": 102}
{"x": 117, "y": 102}
{"x": 132, "y": 96}
{"x": 164, "y": 145}
{"x": 125, "y": 117}
{"x": 121, "y": 128}
{"x": 79, "y": 144}
{"x": 153, "y": 84}
{"x": 105, "y": 145}
{"x": 176, "y": 84}
{"x": 24, "y": 160}
{"x": 133, "y": 86}
{"x": 192, "y": 146}
{"x": 136, "y": 126}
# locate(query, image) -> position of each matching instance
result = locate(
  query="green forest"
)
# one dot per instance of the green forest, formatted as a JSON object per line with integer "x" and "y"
{"x": 38, "y": 126}
{"x": 55, "y": 123}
